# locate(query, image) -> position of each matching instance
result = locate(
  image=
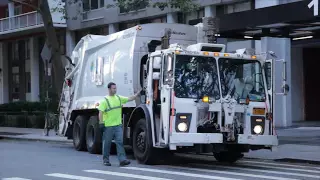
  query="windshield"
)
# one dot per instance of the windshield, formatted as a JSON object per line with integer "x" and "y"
{"x": 195, "y": 77}
{"x": 241, "y": 79}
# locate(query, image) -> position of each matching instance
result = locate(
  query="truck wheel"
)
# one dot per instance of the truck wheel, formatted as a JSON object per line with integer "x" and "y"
{"x": 228, "y": 157}
{"x": 143, "y": 149}
{"x": 79, "y": 133}
{"x": 93, "y": 136}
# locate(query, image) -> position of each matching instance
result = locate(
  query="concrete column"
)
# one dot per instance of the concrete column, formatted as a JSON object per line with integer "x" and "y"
{"x": 11, "y": 9}
{"x": 262, "y": 4}
{"x": 172, "y": 18}
{"x": 4, "y": 83}
{"x": 11, "y": 14}
{"x": 282, "y": 114}
{"x": 70, "y": 42}
{"x": 34, "y": 69}
{"x": 113, "y": 28}
{"x": 209, "y": 11}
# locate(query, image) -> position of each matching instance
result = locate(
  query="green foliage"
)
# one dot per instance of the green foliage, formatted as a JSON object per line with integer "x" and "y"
{"x": 61, "y": 9}
{"x": 25, "y": 106}
{"x": 21, "y": 106}
{"x": 184, "y": 6}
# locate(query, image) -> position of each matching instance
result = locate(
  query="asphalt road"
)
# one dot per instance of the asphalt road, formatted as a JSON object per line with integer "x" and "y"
{"x": 23, "y": 160}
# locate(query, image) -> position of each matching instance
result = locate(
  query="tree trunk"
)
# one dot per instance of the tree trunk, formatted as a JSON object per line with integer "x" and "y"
{"x": 53, "y": 45}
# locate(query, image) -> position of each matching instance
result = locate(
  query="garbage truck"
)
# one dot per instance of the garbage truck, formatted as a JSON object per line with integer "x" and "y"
{"x": 195, "y": 97}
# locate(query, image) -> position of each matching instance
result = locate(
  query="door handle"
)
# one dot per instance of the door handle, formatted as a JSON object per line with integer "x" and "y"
{"x": 164, "y": 100}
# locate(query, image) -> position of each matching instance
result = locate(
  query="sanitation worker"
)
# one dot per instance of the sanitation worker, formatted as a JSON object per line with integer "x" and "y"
{"x": 110, "y": 117}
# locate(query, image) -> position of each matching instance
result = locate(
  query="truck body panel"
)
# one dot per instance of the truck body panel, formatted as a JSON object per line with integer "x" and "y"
{"x": 195, "y": 94}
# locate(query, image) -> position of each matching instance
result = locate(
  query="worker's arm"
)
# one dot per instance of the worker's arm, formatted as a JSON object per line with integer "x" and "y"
{"x": 102, "y": 107}
{"x": 131, "y": 98}
{"x": 100, "y": 117}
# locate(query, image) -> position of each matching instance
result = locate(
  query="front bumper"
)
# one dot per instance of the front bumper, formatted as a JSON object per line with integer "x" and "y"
{"x": 195, "y": 138}
{"x": 266, "y": 140}
{"x": 187, "y": 139}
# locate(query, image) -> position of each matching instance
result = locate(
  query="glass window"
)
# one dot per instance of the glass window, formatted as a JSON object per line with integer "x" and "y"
{"x": 134, "y": 6}
{"x": 195, "y": 77}
{"x": 241, "y": 79}
{"x": 28, "y": 82}
{"x": 94, "y": 4}
{"x": 88, "y": 5}
{"x": 85, "y": 5}
{"x": 27, "y": 45}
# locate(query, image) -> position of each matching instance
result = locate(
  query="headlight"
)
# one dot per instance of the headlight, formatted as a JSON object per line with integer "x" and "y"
{"x": 182, "y": 127}
{"x": 257, "y": 129}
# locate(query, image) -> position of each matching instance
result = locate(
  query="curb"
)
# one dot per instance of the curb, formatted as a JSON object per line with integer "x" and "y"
{"x": 291, "y": 160}
{"x": 288, "y": 160}
{"x": 35, "y": 139}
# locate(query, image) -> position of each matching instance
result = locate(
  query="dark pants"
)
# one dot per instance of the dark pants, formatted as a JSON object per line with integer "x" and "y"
{"x": 116, "y": 133}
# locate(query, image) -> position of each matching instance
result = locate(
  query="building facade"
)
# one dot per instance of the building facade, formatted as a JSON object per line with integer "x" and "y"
{"x": 93, "y": 17}
{"x": 22, "y": 38}
{"x": 287, "y": 27}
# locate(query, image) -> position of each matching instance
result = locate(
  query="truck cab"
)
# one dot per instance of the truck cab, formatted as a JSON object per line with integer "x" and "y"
{"x": 204, "y": 100}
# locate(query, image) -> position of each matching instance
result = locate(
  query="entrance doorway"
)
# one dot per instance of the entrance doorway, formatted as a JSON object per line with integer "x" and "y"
{"x": 311, "y": 64}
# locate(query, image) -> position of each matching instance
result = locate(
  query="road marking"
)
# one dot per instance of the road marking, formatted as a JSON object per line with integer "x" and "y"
{"x": 15, "y": 178}
{"x": 69, "y": 176}
{"x": 233, "y": 173}
{"x": 264, "y": 171}
{"x": 277, "y": 164}
{"x": 180, "y": 173}
{"x": 125, "y": 175}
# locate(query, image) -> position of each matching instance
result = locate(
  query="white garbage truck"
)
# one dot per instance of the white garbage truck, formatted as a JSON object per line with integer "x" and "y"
{"x": 196, "y": 97}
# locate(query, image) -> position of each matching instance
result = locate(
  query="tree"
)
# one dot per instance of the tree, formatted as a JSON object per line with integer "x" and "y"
{"x": 128, "y": 5}
{"x": 184, "y": 6}
{"x": 43, "y": 8}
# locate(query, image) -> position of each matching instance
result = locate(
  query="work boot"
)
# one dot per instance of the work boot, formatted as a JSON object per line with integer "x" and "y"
{"x": 106, "y": 163}
{"x": 125, "y": 163}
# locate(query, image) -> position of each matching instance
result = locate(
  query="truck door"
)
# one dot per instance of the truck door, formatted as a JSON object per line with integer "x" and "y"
{"x": 166, "y": 100}
{"x": 276, "y": 77}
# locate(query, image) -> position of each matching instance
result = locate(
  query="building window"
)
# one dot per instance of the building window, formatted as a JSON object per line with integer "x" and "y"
{"x": 28, "y": 82}
{"x": 134, "y": 6}
{"x": 17, "y": 11}
{"x": 27, "y": 46}
{"x": 220, "y": 10}
{"x": 88, "y": 5}
{"x": 16, "y": 51}
{"x": 62, "y": 42}
{"x": 200, "y": 13}
{"x": 15, "y": 83}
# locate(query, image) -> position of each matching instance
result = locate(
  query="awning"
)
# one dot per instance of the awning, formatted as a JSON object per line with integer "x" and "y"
{"x": 285, "y": 20}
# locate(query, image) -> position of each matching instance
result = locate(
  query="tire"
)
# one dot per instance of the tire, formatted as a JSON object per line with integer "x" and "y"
{"x": 93, "y": 136}
{"x": 79, "y": 133}
{"x": 228, "y": 157}
{"x": 144, "y": 152}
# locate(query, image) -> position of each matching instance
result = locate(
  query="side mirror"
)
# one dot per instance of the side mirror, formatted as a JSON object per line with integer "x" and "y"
{"x": 156, "y": 75}
{"x": 156, "y": 63}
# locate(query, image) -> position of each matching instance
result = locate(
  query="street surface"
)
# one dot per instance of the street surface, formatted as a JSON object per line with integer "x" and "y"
{"x": 23, "y": 160}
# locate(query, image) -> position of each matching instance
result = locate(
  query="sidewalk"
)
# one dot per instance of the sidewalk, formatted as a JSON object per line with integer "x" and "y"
{"x": 299, "y": 144}
{"x": 30, "y": 134}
